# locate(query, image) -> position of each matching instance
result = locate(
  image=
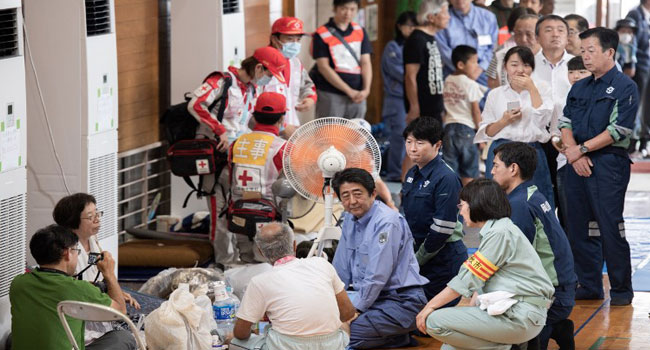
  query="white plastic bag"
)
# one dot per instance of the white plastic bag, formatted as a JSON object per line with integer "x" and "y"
{"x": 496, "y": 303}
{"x": 181, "y": 323}
{"x": 239, "y": 277}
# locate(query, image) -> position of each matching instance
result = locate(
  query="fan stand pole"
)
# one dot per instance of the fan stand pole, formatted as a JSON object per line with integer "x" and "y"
{"x": 329, "y": 199}
{"x": 328, "y": 232}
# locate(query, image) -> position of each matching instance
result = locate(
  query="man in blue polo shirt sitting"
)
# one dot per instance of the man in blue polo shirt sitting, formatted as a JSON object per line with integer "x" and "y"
{"x": 375, "y": 256}
{"x": 514, "y": 166}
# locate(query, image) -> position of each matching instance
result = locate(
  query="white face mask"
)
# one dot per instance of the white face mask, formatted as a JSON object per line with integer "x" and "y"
{"x": 625, "y": 38}
{"x": 265, "y": 79}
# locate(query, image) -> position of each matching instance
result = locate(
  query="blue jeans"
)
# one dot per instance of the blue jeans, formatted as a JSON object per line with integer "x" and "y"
{"x": 542, "y": 176}
{"x": 459, "y": 150}
{"x": 394, "y": 116}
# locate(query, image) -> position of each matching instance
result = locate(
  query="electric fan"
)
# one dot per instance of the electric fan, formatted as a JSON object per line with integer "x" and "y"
{"x": 318, "y": 150}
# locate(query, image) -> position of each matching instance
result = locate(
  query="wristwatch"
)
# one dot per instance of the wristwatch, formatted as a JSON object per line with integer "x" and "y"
{"x": 583, "y": 149}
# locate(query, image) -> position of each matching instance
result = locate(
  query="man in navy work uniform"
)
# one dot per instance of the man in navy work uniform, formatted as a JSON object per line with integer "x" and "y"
{"x": 596, "y": 126}
{"x": 375, "y": 256}
{"x": 514, "y": 166}
{"x": 430, "y": 198}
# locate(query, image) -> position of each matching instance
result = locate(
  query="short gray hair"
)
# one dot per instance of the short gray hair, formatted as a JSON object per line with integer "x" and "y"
{"x": 429, "y": 7}
{"x": 275, "y": 240}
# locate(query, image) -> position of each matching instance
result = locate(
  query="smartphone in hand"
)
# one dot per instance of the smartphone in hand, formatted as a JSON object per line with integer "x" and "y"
{"x": 512, "y": 105}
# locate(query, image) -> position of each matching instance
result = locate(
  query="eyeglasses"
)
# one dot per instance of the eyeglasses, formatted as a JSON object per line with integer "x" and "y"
{"x": 77, "y": 249}
{"x": 93, "y": 217}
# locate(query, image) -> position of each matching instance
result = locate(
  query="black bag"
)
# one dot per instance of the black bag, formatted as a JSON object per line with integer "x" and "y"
{"x": 179, "y": 124}
{"x": 185, "y": 152}
{"x": 243, "y": 215}
{"x": 196, "y": 157}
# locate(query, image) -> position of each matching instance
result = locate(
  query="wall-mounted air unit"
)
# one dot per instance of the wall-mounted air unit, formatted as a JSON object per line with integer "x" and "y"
{"x": 73, "y": 46}
{"x": 13, "y": 122}
{"x": 206, "y": 35}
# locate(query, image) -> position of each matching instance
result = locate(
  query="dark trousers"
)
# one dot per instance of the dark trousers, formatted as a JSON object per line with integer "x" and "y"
{"x": 641, "y": 80}
{"x": 595, "y": 225}
{"x": 551, "y": 159}
{"x": 560, "y": 310}
{"x": 114, "y": 340}
{"x": 394, "y": 115}
{"x": 388, "y": 322}
{"x": 442, "y": 268}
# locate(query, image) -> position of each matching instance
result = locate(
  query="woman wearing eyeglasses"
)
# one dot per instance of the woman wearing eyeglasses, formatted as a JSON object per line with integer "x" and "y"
{"x": 504, "y": 262}
{"x": 79, "y": 213}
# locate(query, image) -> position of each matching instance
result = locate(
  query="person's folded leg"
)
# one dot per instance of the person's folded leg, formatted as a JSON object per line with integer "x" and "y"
{"x": 389, "y": 320}
{"x": 114, "y": 340}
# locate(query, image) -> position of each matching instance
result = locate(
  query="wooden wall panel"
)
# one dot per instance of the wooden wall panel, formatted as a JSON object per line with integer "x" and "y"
{"x": 139, "y": 64}
{"x": 136, "y": 24}
{"x": 386, "y": 32}
{"x": 258, "y": 25}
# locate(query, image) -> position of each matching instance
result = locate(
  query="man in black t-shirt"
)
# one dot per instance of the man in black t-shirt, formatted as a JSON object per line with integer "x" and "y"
{"x": 423, "y": 64}
{"x": 343, "y": 74}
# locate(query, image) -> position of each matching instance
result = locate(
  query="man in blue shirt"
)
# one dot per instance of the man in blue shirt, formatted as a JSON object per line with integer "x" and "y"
{"x": 430, "y": 198}
{"x": 514, "y": 166}
{"x": 472, "y": 26}
{"x": 596, "y": 126}
{"x": 375, "y": 256}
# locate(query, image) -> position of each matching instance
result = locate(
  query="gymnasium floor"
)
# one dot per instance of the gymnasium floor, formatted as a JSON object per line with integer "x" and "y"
{"x": 597, "y": 325}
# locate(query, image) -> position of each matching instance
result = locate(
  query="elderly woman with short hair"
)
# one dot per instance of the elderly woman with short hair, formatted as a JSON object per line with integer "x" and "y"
{"x": 79, "y": 213}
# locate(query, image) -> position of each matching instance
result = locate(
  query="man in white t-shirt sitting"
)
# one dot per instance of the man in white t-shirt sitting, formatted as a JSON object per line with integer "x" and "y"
{"x": 304, "y": 299}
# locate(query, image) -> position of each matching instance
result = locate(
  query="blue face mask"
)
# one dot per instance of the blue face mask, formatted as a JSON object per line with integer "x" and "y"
{"x": 265, "y": 79}
{"x": 291, "y": 49}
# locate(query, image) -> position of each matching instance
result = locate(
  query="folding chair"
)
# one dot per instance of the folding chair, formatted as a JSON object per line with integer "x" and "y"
{"x": 92, "y": 312}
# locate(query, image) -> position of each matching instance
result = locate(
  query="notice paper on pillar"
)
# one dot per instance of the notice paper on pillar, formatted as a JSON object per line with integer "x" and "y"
{"x": 10, "y": 157}
{"x": 105, "y": 107}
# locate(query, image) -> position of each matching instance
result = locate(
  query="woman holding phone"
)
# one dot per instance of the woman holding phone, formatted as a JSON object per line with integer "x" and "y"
{"x": 519, "y": 111}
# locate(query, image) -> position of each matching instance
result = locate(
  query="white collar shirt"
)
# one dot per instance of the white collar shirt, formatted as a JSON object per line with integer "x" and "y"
{"x": 82, "y": 261}
{"x": 557, "y": 77}
{"x": 532, "y": 125}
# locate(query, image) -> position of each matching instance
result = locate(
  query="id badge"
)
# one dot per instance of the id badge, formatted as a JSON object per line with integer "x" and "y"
{"x": 484, "y": 40}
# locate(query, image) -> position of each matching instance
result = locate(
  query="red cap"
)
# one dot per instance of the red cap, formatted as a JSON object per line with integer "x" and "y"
{"x": 287, "y": 25}
{"x": 272, "y": 59}
{"x": 271, "y": 103}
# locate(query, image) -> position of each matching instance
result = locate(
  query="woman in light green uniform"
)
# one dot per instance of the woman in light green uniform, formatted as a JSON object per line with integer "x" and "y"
{"x": 505, "y": 261}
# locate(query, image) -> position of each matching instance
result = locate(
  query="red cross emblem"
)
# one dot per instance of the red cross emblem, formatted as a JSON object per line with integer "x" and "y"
{"x": 204, "y": 88}
{"x": 202, "y": 166}
{"x": 245, "y": 178}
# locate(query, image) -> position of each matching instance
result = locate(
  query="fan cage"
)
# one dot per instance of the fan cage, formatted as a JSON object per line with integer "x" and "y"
{"x": 305, "y": 145}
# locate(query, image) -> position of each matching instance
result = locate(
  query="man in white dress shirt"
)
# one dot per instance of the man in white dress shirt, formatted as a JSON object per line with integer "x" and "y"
{"x": 552, "y": 33}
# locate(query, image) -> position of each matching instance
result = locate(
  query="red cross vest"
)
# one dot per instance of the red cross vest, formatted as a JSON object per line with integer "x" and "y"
{"x": 291, "y": 90}
{"x": 239, "y": 107}
{"x": 256, "y": 160}
{"x": 343, "y": 60}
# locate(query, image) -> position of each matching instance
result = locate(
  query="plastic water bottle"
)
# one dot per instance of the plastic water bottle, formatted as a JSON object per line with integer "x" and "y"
{"x": 234, "y": 297}
{"x": 224, "y": 307}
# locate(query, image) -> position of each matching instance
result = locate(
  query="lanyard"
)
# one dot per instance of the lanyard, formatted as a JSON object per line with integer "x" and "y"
{"x": 45, "y": 269}
{"x": 284, "y": 260}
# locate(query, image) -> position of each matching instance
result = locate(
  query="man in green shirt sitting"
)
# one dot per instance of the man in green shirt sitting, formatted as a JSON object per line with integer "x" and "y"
{"x": 34, "y": 296}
